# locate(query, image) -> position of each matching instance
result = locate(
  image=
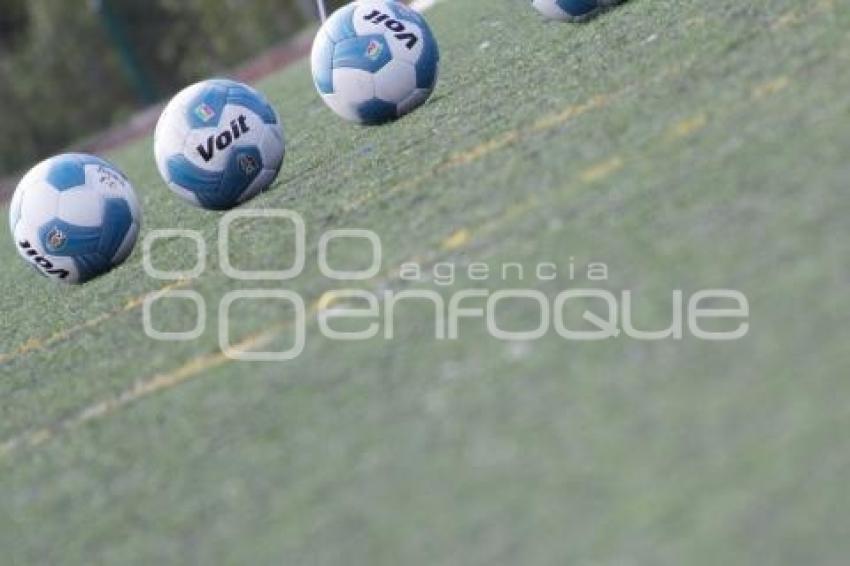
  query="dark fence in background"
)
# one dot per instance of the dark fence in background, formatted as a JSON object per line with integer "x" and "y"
{"x": 69, "y": 68}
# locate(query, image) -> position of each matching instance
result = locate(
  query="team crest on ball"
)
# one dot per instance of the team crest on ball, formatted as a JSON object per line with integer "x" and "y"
{"x": 205, "y": 112}
{"x": 218, "y": 144}
{"x": 248, "y": 164}
{"x": 374, "y": 50}
{"x": 374, "y": 61}
{"x": 56, "y": 239}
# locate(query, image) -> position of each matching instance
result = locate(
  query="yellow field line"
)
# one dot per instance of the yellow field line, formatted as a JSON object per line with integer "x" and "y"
{"x": 456, "y": 240}
{"x": 602, "y": 170}
{"x": 687, "y": 127}
{"x": 140, "y": 389}
{"x": 790, "y": 18}
{"x": 36, "y": 344}
{"x": 488, "y": 147}
{"x": 771, "y": 87}
{"x": 796, "y": 16}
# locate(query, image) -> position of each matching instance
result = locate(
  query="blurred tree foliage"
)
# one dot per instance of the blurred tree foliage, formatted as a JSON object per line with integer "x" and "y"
{"x": 63, "y": 74}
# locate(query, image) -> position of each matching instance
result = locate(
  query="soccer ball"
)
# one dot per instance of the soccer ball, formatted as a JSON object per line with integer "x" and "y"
{"x": 374, "y": 61}
{"x": 218, "y": 144}
{"x": 74, "y": 217}
{"x": 571, "y": 10}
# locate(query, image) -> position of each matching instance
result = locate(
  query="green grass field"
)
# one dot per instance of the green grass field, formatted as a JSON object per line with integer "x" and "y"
{"x": 686, "y": 144}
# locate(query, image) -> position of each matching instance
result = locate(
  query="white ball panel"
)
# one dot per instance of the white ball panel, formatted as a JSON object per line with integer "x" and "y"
{"x": 37, "y": 173}
{"x": 187, "y": 95}
{"x": 256, "y": 126}
{"x": 35, "y": 180}
{"x": 549, "y": 9}
{"x": 25, "y": 231}
{"x": 170, "y": 135}
{"x": 342, "y": 106}
{"x": 81, "y": 206}
{"x": 15, "y": 209}
{"x": 39, "y": 204}
{"x": 317, "y": 52}
{"x": 399, "y": 47}
{"x": 106, "y": 181}
{"x": 395, "y": 82}
{"x": 355, "y": 85}
{"x": 363, "y": 9}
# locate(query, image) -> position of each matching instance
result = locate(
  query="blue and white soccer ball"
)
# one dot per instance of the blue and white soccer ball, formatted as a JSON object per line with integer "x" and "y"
{"x": 218, "y": 144}
{"x": 374, "y": 61}
{"x": 74, "y": 217}
{"x": 571, "y": 10}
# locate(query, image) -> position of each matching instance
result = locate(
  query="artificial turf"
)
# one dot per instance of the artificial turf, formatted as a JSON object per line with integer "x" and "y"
{"x": 685, "y": 144}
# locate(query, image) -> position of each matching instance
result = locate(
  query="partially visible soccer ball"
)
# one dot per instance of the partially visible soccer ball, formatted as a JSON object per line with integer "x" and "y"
{"x": 374, "y": 61}
{"x": 571, "y": 10}
{"x": 218, "y": 144}
{"x": 74, "y": 217}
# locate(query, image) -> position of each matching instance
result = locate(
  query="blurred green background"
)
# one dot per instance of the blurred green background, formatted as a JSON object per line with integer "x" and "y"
{"x": 69, "y": 68}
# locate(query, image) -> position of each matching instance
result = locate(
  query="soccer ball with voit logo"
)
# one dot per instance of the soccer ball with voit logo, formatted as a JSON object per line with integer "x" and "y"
{"x": 572, "y": 10}
{"x": 374, "y": 61}
{"x": 74, "y": 217}
{"x": 218, "y": 144}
